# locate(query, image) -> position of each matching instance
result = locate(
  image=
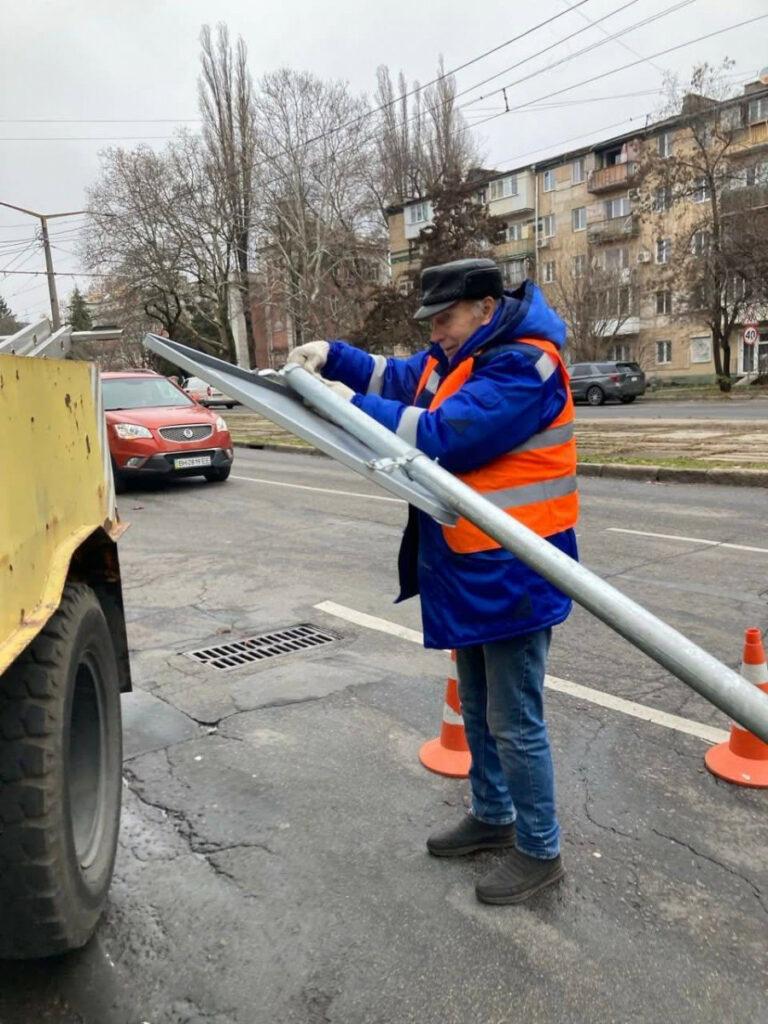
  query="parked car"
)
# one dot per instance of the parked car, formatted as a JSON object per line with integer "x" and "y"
{"x": 594, "y": 382}
{"x": 155, "y": 428}
{"x": 205, "y": 394}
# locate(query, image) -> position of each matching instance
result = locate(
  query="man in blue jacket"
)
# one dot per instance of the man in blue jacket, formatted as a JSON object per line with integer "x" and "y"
{"x": 490, "y": 401}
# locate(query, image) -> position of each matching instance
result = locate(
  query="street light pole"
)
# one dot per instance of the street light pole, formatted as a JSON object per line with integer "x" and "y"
{"x": 50, "y": 272}
{"x": 55, "y": 315}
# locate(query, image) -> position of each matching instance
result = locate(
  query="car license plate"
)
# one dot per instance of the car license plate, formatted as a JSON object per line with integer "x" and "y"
{"x": 190, "y": 463}
{"x": 634, "y": 378}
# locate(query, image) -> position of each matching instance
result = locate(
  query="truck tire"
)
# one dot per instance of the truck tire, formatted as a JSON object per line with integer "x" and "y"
{"x": 60, "y": 781}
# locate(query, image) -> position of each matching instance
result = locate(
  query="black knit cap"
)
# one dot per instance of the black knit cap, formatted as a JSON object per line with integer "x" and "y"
{"x": 448, "y": 283}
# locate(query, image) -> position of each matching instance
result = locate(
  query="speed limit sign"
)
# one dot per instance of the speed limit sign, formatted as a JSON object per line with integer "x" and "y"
{"x": 751, "y": 334}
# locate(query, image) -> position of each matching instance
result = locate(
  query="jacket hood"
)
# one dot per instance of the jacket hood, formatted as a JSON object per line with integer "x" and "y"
{"x": 522, "y": 313}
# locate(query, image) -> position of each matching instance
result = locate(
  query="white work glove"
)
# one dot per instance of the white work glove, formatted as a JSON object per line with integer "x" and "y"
{"x": 311, "y": 356}
{"x": 339, "y": 389}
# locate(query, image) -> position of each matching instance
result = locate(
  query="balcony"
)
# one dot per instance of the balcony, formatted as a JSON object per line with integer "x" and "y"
{"x": 615, "y": 176}
{"x": 613, "y": 230}
{"x": 751, "y": 197}
{"x": 517, "y": 249}
{"x": 618, "y": 327}
{"x": 522, "y": 201}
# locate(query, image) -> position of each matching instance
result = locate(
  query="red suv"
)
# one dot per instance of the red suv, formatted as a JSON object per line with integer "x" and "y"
{"x": 154, "y": 428}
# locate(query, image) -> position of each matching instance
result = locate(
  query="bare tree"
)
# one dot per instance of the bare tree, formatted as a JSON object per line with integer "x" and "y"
{"x": 422, "y": 138}
{"x": 596, "y": 301}
{"x": 228, "y": 112}
{"x": 159, "y": 229}
{"x": 718, "y": 261}
{"x": 318, "y": 246}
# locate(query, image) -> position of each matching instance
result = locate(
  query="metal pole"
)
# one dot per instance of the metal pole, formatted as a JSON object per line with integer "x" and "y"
{"x": 720, "y": 685}
{"x": 535, "y": 222}
{"x": 55, "y": 315}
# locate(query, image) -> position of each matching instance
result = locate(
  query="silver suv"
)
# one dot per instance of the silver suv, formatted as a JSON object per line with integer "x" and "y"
{"x": 594, "y": 382}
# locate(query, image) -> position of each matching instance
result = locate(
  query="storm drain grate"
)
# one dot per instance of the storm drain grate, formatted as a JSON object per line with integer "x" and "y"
{"x": 259, "y": 648}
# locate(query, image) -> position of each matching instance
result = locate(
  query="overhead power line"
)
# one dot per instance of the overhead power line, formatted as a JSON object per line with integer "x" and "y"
{"x": 631, "y": 64}
{"x": 56, "y": 273}
{"x": 617, "y": 36}
{"x": 624, "y": 45}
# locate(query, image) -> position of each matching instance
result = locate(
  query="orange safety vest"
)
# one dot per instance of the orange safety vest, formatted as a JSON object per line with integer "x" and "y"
{"x": 535, "y": 482}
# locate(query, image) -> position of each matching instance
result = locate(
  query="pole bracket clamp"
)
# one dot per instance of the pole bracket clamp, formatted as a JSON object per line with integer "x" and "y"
{"x": 389, "y": 465}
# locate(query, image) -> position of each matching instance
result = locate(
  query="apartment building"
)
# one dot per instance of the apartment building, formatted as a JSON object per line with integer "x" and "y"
{"x": 598, "y": 203}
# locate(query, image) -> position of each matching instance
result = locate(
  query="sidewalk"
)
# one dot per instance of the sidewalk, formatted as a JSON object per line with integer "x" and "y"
{"x": 687, "y": 450}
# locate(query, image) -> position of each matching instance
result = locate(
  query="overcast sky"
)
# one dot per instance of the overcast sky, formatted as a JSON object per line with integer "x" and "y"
{"x": 137, "y": 60}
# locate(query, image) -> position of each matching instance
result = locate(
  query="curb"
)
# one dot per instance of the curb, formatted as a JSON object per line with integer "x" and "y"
{"x": 292, "y": 448}
{"x": 672, "y": 475}
{"x": 605, "y": 470}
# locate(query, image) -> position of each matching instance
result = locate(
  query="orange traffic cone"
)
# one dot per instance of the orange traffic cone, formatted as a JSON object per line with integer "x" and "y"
{"x": 448, "y": 754}
{"x": 744, "y": 758}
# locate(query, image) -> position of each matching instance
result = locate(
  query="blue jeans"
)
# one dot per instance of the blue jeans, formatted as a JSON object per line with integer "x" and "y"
{"x": 501, "y": 690}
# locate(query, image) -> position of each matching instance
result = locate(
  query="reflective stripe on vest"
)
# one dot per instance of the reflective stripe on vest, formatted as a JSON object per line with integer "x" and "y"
{"x": 534, "y": 482}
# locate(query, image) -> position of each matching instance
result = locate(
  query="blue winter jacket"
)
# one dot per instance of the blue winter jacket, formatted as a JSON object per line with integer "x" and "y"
{"x": 476, "y": 598}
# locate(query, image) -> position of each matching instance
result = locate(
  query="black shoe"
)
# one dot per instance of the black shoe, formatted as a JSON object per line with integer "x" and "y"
{"x": 517, "y": 877}
{"x": 470, "y": 835}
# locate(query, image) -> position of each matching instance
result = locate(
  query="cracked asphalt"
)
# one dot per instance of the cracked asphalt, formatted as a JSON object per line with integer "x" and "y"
{"x": 272, "y": 864}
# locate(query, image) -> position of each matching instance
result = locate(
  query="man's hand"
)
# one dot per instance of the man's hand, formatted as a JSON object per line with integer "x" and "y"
{"x": 311, "y": 356}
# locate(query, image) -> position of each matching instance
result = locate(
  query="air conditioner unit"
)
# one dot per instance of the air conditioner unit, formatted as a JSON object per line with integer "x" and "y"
{"x": 542, "y": 243}
{"x": 643, "y": 257}
{"x": 634, "y": 194}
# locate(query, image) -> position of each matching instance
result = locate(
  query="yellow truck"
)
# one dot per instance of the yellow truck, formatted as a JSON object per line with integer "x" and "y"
{"x": 63, "y": 657}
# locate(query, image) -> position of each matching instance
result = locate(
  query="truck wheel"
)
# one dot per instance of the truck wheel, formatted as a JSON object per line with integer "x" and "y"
{"x": 60, "y": 781}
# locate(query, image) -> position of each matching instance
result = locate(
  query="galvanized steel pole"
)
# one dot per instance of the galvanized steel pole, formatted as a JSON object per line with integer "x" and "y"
{"x": 720, "y": 685}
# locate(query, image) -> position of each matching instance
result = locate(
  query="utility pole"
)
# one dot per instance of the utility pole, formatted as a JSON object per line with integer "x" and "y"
{"x": 50, "y": 273}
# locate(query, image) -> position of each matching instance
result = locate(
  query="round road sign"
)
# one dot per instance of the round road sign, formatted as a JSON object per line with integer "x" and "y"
{"x": 751, "y": 334}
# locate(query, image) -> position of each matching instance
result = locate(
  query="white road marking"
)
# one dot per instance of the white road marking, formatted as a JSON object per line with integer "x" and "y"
{"x": 320, "y": 490}
{"x": 370, "y": 621}
{"x": 605, "y": 700}
{"x": 688, "y": 540}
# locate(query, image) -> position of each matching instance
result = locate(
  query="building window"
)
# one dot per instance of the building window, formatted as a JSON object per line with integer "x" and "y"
{"x": 664, "y": 144}
{"x": 701, "y": 350}
{"x": 419, "y": 213}
{"x": 548, "y": 225}
{"x": 619, "y": 207}
{"x": 662, "y": 200}
{"x": 700, "y": 192}
{"x": 757, "y": 174}
{"x": 578, "y": 171}
{"x": 502, "y": 188}
{"x": 699, "y": 243}
{"x": 512, "y": 232}
{"x": 549, "y": 181}
{"x": 579, "y": 218}
{"x": 758, "y": 110}
{"x": 620, "y": 352}
{"x": 579, "y": 265}
{"x": 513, "y": 272}
{"x": 663, "y": 352}
{"x": 624, "y": 305}
{"x": 616, "y": 258}
{"x": 663, "y": 249}
{"x": 732, "y": 118}
{"x": 549, "y": 272}
{"x": 481, "y": 196}
{"x": 663, "y": 302}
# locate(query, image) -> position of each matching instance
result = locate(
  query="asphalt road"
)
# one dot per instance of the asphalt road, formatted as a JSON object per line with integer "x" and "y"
{"x": 649, "y": 409}
{"x": 272, "y": 866}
